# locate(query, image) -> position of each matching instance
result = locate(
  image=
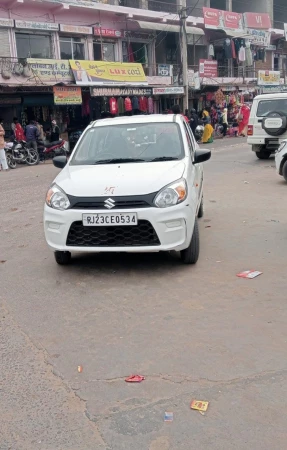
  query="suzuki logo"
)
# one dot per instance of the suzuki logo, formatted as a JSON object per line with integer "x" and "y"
{"x": 109, "y": 203}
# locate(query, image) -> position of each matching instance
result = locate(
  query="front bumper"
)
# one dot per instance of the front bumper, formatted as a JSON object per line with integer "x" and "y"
{"x": 173, "y": 226}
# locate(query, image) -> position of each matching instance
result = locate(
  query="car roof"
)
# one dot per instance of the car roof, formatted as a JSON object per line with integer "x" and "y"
{"x": 153, "y": 118}
{"x": 275, "y": 95}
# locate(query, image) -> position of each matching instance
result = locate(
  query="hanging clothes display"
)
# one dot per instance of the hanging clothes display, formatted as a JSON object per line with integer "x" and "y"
{"x": 128, "y": 104}
{"x": 135, "y": 103}
{"x": 242, "y": 54}
{"x": 248, "y": 54}
{"x": 211, "y": 51}
{"x": 227, "y": 49}
{"x": 121, "y": 105}
{"x": 143, "y": 104}
{"x": 113, "y": 106}
{"x": 150, "y": 105}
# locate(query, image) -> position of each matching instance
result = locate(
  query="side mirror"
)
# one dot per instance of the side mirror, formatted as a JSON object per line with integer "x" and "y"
{"x": 201, "y": 155}
{"x": 60, "y": 161}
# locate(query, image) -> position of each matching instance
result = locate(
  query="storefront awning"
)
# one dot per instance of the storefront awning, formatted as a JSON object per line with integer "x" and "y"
{"x": 168, "y": 27}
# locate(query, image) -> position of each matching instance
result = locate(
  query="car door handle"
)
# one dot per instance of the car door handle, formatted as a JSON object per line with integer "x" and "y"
{"x": 260, "y": 120}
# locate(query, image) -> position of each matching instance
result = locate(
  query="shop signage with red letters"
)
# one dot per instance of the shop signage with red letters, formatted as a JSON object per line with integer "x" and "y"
{"x": 208, "y": 68}
{"x": 107, "y": 32}
{"x": 257, "y": 20}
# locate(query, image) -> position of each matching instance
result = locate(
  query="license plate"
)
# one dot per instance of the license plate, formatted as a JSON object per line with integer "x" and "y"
{"x": 107, "y": 219}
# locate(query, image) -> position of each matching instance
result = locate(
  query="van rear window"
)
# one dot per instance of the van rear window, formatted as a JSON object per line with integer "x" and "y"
{"x": 276, "y": 105}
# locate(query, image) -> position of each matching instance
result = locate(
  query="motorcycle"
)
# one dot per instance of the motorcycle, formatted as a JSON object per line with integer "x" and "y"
{"x": 18, "y": 152}
{"x": 50, "y": 149}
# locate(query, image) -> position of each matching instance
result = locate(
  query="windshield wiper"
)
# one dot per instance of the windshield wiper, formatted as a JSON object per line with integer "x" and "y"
{"x": 164, "y": 158}
{"x": 118, "y": 160}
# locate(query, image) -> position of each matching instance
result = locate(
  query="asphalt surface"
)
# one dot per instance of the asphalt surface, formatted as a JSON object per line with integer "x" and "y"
{"x": 195, "y": 332}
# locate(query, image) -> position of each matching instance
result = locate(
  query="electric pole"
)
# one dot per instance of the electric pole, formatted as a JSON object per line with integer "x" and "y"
{"x": 183, "y": 16}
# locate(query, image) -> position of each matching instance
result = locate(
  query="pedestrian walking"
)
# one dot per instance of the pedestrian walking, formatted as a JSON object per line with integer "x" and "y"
{"x": 32, "y": 134}
{"x": 3, "y": 160}
{"x": 224, "y": 122}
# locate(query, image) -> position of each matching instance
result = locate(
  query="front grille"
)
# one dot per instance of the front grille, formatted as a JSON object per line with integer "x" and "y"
{"x": 139, "y": 235}
{"x": 119, "y": 204}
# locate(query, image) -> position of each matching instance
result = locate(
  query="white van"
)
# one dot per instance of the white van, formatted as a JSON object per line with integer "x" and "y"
{"x": 267, "y": 126}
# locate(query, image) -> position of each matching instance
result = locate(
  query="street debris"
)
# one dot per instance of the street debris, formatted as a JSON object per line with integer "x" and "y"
{"x": 249, "y": 274}
{"x": 198, "y": 405}
{"x": 3, "y": 261}
{"x": 80, "y": 369}
{"x": 246, "y": 182}
{"x": 207, "y": 226}
{"x": 135, "y": 379}
{"x": 168, "y": 416}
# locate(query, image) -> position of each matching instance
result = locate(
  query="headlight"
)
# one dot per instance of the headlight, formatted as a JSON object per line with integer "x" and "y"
{"x": 57, "y": 199}
{"x": 172, "y": 194}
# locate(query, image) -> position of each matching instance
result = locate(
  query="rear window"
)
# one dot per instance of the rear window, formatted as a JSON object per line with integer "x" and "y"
{"x": 276, "y": 105}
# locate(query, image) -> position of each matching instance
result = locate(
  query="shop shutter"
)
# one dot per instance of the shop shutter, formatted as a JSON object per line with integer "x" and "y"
{"x": 4, "y": 43}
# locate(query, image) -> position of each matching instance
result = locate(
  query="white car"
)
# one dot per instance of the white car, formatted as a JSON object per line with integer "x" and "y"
{"x": 132, "y": 184}
{"x": 267, "y": 126}
{"x": 281, "y": 160}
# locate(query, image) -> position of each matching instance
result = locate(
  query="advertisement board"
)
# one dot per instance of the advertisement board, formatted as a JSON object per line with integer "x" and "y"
{"x": 168, "y": 90}
{"x": 107, "y": 32}
{"x": 28, "y": 25}
{"x": 268, "y": 78}
{"x": 119, "y": 91}
{"x": 77, "y": 29}
{"x": 208, "y": 68}
{"x": 259, "y": 37}
{"x": 257, "y": 20}
{"x": 50, "y": 70}
{"x": 92, "y": 73}
{"x": 67, "y": 95}
{"x": 216, "y": 18}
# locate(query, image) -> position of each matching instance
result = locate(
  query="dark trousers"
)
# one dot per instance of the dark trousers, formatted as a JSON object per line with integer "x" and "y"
{"x": 32, "y": 144}
{"x": 224, "y": 125}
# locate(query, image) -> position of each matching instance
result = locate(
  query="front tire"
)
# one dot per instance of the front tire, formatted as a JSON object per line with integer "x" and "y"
{"x": 263, "y": 155}
{"x": 191, "y": 253}
{"x": 62, "y": 258}
{"x": 11, "y": 161}
{"x": 32, "y": 158}
{"x": 284, "y": 171}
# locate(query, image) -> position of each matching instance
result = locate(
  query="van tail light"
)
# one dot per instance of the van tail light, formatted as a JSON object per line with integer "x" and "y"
{"x": 250, "y": 130}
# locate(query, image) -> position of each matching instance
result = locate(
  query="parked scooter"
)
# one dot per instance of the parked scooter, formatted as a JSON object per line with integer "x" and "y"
{"x": 18, "y": 152}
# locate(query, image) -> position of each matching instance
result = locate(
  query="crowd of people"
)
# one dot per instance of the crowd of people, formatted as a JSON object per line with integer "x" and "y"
{"x": 33, "y": 135}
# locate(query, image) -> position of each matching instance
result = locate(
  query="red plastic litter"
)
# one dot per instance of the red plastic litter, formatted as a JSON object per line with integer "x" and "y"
{"x": 135, "y": 379}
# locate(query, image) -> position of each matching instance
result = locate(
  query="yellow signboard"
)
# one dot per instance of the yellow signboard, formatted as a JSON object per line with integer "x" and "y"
{"x": 49, "y": 71}
{"x": 268, "y": 78}
{"x": 67, "y": 95}
{"x": 102, "y": 73}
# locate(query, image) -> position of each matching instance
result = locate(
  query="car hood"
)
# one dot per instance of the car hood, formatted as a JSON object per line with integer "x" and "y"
{"x": 119, "y": 179}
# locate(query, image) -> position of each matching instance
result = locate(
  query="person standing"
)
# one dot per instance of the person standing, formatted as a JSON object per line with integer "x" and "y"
{"x": 18, "y": 131}
{"x": 3, "y": 160}
{"x": 176, "y": 110}
{"x": 41, "y": 131}
{"x": 32, "y": 135}
{"x": 193, "y": 121}
{"x": 224, "y": 122}
{"x": 55, "y": 132}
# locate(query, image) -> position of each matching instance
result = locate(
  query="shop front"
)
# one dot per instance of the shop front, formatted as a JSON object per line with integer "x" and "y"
{"x": 121, "y": 101}
{"x": 166, "y": 97}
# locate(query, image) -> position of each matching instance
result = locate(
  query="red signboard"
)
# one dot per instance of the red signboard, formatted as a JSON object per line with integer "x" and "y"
{"x": 257, "y": 20}
{"x": 211, "y": 17}
{"x": 232, "y": 20}
{"x": 216, "y": 18}
{"x": 208, "y": 68}
{"x": 107, "y": 32}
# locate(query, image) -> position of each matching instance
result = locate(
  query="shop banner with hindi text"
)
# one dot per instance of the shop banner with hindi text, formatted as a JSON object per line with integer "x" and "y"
{"x": 67, "y": 95}
{"x": 268, "y": 78}
{"x": 102, "y": 73}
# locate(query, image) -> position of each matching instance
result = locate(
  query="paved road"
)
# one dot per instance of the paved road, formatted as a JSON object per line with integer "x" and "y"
{"x": 194, "y": 332}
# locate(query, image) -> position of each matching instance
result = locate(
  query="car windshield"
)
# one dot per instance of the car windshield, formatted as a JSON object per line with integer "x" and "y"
{"x": 267, "y": 106}
{"x": 134, "y": 142}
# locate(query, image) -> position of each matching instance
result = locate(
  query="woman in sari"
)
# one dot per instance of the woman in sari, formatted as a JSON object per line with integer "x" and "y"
{"x": 207, "y": 136}
{"x": 243, "y": 119}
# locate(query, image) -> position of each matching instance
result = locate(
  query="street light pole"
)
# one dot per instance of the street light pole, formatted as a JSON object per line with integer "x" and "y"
{"x": 183, "y": 37}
